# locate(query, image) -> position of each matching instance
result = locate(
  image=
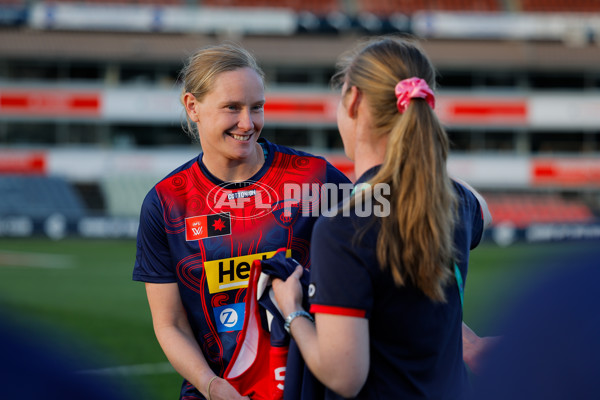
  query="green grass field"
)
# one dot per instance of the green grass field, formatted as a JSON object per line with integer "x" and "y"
{"x": 79, "y": 296}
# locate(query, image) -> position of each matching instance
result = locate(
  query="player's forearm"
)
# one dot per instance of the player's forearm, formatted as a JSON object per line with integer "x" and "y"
{"x": 185, "y": 355}
{"x": 470, "y": 342}
{"x": 302, "y": 329}
{"x": 305, "y": 334}
{"x": 331, "y": 360}
{"x": 475, "y": 347}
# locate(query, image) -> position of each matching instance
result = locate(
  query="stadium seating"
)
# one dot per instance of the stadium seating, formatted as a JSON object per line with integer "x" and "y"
{"x": 315, "y": 6}
{"x": 13, "y": 3}
{"x": 559, "y": 6}
{"x": 39, "y": 197}
{"x": 525, "y": 209}
{"x": 378, "y": 7}
{"x": 408, "y": 7}
{"x": 125, "y": 2}
{"x": 124, "y": 194}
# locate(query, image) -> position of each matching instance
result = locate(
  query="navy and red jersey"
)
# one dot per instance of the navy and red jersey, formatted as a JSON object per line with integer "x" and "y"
{"x": 259, "y": 367}
{"x": 204, "y": 234}
{"x": 415, "y": 344}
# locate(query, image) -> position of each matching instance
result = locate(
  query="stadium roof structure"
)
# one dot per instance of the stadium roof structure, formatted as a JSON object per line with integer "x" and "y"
{"x": 297, "y": 50}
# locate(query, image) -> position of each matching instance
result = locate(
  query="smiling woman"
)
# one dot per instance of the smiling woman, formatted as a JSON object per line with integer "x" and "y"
{"x": 203, "y": 225}
{"x": 229, "y": 120}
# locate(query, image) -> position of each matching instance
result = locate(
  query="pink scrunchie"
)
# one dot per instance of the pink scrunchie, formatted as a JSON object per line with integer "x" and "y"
{"x": 413, "y": 88}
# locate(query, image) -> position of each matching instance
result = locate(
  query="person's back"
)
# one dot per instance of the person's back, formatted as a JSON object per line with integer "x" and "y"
{"x": 415, "y": 344}
{"x": 388, "y": 269}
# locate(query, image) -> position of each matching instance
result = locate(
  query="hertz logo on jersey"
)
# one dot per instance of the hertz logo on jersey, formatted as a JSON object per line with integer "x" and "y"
{"x": 232, "y": 273}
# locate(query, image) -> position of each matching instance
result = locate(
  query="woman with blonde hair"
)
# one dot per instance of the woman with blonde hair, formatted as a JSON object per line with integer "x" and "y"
{"x": 203, "y": 225}
{"x": 388, "y": 269}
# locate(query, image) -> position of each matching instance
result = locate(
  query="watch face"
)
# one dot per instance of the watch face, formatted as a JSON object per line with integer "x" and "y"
{"x": 288, "y": 321}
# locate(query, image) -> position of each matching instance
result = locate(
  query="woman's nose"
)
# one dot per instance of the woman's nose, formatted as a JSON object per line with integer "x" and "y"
{"x": 245, "y": 121}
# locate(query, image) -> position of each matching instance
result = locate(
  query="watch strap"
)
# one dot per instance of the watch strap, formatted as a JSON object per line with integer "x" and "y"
{"x": 294, "y": 315}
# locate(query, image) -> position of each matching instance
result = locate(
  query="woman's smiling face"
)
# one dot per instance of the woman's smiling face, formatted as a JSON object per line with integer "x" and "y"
{"x": 230, "y": 117}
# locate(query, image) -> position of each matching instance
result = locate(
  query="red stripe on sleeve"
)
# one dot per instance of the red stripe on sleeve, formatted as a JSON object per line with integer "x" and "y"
{"x": 349, "y": 312}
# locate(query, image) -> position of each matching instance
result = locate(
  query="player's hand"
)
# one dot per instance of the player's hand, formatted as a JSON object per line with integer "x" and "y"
{"x": 220, "y": 389}
{"x": 288, "y": 293}
{"x": 474, "y": 350}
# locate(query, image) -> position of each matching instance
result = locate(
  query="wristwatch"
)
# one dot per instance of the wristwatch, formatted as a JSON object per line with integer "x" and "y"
{"x": 295, "y": 314}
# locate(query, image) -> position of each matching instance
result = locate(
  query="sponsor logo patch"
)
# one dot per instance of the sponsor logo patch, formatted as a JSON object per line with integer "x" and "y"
{"x": 230, "y": 317}
{"x": 232, "y": 273}
{"x": 205, "y": 226}
{"x": 241, "y": 195}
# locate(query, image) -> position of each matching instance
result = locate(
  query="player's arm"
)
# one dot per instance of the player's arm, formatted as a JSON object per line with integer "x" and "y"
{"x": 475, "y": 347}
{"x": 177, "y": 340}
{"x": 335, "y": 347}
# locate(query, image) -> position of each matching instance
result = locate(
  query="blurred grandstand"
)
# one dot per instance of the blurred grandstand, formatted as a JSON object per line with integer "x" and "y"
{"x": 89, "y": 113}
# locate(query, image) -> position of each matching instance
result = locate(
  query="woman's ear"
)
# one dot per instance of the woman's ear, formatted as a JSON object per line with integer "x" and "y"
{"x": 190, "y": 102}
{"x": 354, "y": 100}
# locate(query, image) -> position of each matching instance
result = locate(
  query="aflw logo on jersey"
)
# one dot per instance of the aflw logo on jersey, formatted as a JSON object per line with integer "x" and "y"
{"x": 204, "y": 226}
{"x": 232, "y": 273}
